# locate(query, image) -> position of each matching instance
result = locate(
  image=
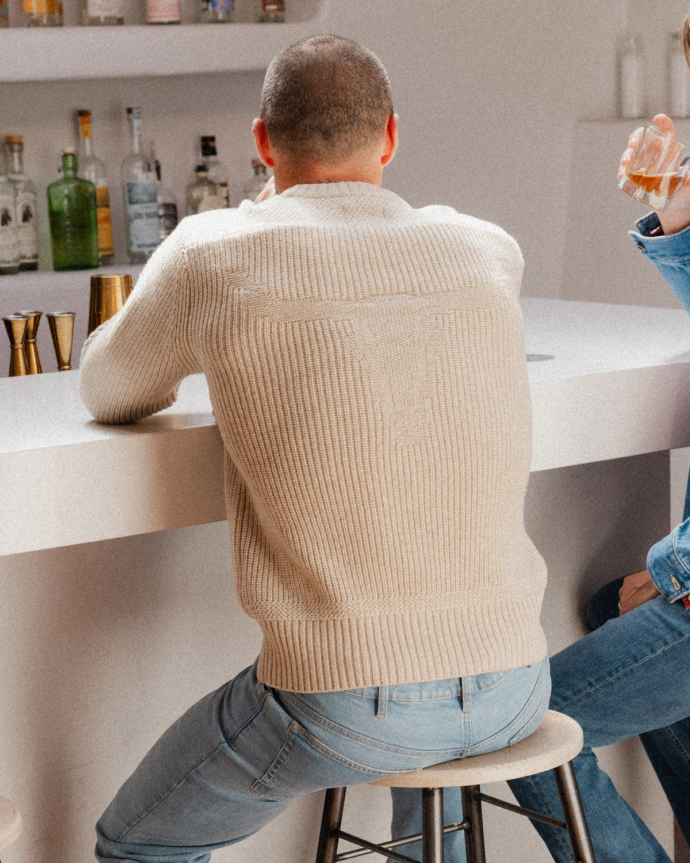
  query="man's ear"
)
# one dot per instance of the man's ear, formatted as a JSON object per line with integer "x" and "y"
{"x": 263, "y": 146}
{"x": 391, "y": 141}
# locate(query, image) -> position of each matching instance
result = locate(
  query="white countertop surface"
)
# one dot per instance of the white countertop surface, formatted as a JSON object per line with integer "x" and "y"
{"x": 619, "y": 385}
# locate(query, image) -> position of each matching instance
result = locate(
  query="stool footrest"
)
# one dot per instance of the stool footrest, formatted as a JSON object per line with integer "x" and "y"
{"x": 520, "y": 810}
{"x": 384, "y": 847}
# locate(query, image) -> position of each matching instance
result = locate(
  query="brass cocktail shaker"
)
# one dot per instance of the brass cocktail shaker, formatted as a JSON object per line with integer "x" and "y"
{"x": 16, "y": 326}
{"x": 108, "y": 295}
{"x": 62, "y": 331}
{"x": 30, "y": 349}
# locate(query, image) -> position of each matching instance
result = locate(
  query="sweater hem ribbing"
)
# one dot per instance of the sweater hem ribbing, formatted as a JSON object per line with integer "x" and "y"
{"x": 384, "y": 650}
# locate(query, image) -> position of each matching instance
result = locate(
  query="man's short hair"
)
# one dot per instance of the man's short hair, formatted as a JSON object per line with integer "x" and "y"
{"x": 325, "y": 99}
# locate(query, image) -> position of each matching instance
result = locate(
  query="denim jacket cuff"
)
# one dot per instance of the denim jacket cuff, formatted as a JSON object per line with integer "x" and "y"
{"x": 668, "y": 563}
{"x": 667, "y": 247}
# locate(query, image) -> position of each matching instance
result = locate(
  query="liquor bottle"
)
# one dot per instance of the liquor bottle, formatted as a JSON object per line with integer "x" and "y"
{"x": 4, "y": 14}
{"x": 269, "y": 11}
{"x": 202, "y": 195}
{"x": 162, "y": 11}
{"x": 72, "y": 215}
{"x": 141, "y": 197}
{"x": 632, "y": 79}
{"x": 217, "y": 172}
{"x": 43, "y": 13}
{"x": 217, "y": 11}
{"x": 25, "y": 206}
{"x": 9, "y": 237}
{"x": 678, "y": 78}
{"x": 102, "y": 12}
{"x": 255, "y": 185}
{"x": 167, "y": 202}
{"x": 92, "y": 169}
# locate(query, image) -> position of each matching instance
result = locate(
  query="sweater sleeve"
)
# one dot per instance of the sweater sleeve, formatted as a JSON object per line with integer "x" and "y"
{"x": 132, "y": 365}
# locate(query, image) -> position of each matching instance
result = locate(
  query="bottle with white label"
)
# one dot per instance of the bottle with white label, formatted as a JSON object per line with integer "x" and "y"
{"x": 141, "y": 197}
{"x": 678, "y": 78}
{"x": 25, "y": 204}
{"x": 162, "y": 11}
{"x": 632, "y": 79}
{"x": 9, "y": 238}
{"x": 217, "y": 171}
{"x": 92, "y": 169}
{"x": 167, "y": 202}
{"x": 102, "y": 12}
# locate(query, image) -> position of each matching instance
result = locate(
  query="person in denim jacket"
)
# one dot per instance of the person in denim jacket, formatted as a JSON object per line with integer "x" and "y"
{"x": 631, "y": 675}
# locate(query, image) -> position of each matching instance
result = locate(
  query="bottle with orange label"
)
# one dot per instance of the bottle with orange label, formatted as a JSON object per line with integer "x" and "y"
{"x": 4, "y": 14}
{"x": 43, "y": 13}
{"x": 92, "y": 169}
{"x": 269, "y": 11}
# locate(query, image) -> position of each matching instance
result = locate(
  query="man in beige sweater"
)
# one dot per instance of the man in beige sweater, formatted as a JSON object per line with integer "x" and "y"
{"x": 366, "y": 366}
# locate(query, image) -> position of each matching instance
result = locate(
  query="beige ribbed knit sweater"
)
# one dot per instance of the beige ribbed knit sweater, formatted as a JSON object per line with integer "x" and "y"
{"x": 367, "y": 372}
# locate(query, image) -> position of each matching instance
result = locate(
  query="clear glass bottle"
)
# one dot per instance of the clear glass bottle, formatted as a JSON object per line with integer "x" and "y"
{"x": 162, "y": 11}
{"x": 217, "y": 171}
{"x": 72, "y": 215}
{"x": 4, "y": 14}
{"x": 167, "y": 202}
{"x": 632, "y": 79}
{"x": 269, "y": 11}
{"x": 678, "y": 78}
{"x": 9, "y": 237}
{"x": 43, "y": 13}
{"x": 25, "y": 204}
{"x": 202, "y": 195}
{"x": 255, "y": 185}
{"x": 92, "y": 169}
{"x": 140, "y": 195}
{"x": 95, "y": 13}
{"x": 217, "y": 11}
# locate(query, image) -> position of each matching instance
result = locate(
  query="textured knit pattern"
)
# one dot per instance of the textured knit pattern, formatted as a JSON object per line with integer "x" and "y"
{"x": 366, "y": 366}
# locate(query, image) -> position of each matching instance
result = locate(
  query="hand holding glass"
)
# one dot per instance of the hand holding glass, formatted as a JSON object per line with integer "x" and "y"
{"x": 660, "y": 164}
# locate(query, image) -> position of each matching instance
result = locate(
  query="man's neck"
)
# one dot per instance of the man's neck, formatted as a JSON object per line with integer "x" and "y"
{"x": 289, "y": 175}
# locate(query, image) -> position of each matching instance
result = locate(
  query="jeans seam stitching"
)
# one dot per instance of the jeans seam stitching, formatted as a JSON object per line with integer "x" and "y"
{"x": 174, "y": 788}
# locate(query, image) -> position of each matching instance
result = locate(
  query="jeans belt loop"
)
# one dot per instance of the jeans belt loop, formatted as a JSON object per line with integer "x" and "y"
{"x": 465, "y": 694}
{"x": 382, "y": 702}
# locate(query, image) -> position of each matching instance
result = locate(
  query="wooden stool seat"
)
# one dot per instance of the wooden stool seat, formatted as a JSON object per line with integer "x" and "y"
{"x": 10, "y": 823}
{"x": 557, "y": 740}
{"x": 551, "y": 747}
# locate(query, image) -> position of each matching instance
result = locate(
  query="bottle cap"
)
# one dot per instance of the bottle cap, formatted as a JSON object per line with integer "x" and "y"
{"x": 208, "y": 145}
{"x": 201, "y": 169}
{"x": 13, "y": 139}
{"x": 83, "y": 112}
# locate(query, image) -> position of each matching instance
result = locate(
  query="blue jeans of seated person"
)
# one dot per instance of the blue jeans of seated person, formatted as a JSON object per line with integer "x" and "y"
{"x": 630, "y": 676}
{"x": 237, "y": 758}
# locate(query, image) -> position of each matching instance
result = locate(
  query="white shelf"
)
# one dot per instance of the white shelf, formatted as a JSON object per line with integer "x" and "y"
{"x": 70, "y": 53}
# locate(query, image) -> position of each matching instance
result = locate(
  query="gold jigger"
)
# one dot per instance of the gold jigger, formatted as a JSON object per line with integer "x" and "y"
{"x": 16, "y": 329}
{"x": 109, "y": 293}
{"x": 62, "y": 331}
{"x": 30, "y": 348}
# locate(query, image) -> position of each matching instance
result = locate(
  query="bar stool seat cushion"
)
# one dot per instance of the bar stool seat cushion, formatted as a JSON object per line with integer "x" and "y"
{"x": 10, "y": 823}
{"x": 557, "y": 740}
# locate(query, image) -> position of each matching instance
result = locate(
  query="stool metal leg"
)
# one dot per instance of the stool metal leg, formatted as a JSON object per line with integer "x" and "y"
{"x": 432, "y": 825}
{"x": 330, "y": 822}
{"x": 474, "y": 834}
{"x": 573, "y": 813}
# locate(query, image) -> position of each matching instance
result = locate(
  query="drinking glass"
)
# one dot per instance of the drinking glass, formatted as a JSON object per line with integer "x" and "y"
{"x": 660, "y": 164}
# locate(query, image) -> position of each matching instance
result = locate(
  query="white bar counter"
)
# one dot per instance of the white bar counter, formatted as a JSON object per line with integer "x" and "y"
{"x": 619, "y": 385}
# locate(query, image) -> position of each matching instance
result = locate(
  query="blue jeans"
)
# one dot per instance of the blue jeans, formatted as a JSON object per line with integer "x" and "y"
{"x": 237, "y": 758}
{"x": 629, "y": 677}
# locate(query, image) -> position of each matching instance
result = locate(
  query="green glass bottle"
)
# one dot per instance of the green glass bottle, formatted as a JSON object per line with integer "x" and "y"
{"x": 73, "y": 223}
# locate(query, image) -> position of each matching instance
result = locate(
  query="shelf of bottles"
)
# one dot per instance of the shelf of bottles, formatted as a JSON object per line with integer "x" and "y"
{"x": 246, "y": 35}
{"x": 79, "y": 214}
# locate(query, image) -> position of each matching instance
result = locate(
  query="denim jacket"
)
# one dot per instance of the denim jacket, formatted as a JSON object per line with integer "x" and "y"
{"x": 668, "y": 561}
